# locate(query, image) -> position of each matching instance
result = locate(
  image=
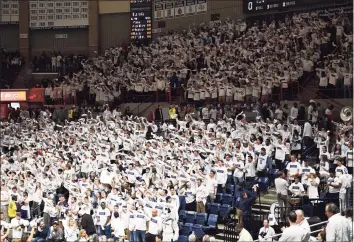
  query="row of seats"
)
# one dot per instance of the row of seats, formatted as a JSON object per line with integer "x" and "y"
{"x": 198, "y": 218}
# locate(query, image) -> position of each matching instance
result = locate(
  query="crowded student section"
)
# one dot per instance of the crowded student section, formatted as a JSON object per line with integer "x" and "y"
{"x": 226, "y": 63}
{"x": 113, "y": 173}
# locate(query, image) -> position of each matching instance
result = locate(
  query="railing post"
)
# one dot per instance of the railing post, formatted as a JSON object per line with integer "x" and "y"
{"x": 169, "y": 96}
{"x": 157, "y": 95}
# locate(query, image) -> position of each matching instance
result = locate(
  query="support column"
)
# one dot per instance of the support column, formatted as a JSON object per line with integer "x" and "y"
{"x": 93, "y": 33}
{"x": 24, "y": 42}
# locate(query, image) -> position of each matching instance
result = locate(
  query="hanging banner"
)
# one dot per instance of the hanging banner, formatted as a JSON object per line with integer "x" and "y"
{"x": 13, "y": 96}
{"x": 180, "y": 8}
{"x": 3, "y": 111}
{"x": 190, "y": 7}
{"x": 36, "y": 95}
{"x": 158, "y": 9}
{"x": 169, "y": 10}
{"x": 202, "y": 6}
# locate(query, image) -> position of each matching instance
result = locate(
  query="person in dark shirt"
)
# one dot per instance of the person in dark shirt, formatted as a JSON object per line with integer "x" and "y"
{"x": 87, "y": 223}
{"x": 42, "y": 232}
{"x": 245, "y": 205}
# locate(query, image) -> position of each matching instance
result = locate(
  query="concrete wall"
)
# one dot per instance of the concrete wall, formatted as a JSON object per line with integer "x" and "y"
{"x": 45, "y": 40}
{"x": 9, "y": 34}
{"x": 114, "y": 29}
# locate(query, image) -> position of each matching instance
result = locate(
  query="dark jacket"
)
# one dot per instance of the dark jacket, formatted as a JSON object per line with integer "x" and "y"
{"x": 43, "y": 234}
{"x": 87, "y": 224}
{"x": 158, "y": 114}
{"x": 246, "y": 203}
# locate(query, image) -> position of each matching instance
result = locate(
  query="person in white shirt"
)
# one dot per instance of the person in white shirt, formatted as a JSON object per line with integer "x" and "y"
{"x": 281, "y": 187}
{"x": 71, "y": 231}
{"x": 221, "y": 176}
{"x": 250, "y": 169}
{"x": 155, "y": 227}
{"x": 296, "y": 188}
{"x": 212, "y": 186}
{"x": 244, "y": 235}
{"x": 293, "y": 168}
{"x": 17, "y": 224}
{"x": 294, "y": 112}
{"x": 201, "y": 195}
{"x": 293, "y": 233}
{"x": 104, "y": 220}
{"x": 118, "y": 227}
{"x": 266, "y": 232}
{"x": 338, "y": 229}
{"x": 140, "y": 224}
{"x": 238, "y": 173}
{"x": 334, "y": 184}
{"x": 303, "y": 224}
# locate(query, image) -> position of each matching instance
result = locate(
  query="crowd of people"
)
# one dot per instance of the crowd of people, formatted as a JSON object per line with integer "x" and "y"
{"x": 225, "y": 63}
{"x": 57, "y": 63}
{"x": 11, "y": 64}
{"x": 123, "y": 177}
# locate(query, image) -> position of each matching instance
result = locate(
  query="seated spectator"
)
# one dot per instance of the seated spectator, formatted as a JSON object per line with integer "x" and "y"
{"x": 42, "y": 232}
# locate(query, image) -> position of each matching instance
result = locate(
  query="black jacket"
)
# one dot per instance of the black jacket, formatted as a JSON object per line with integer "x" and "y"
{"x": 87, "y": 224}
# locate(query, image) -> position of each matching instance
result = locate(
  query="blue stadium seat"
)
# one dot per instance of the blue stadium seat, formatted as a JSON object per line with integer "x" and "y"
{"x": 214, "y": 208}
{"x": 201, "y": 218}
{"x": 230, "y": 189}
{"x": 183, "y": 238}
{"x": 218, "y": 198}
{"x": 272, "y": 174}
{"x": 227, "y": 199}
{"x": 224, "y": 211}
{"x": 186, "y": 229}
{"x": 182, "y": 215}
{"x": 212, "y": 220}
{"x": 190, "y": 217}
{"x": 263, "y": 184}
{"x": 198, "y": 230}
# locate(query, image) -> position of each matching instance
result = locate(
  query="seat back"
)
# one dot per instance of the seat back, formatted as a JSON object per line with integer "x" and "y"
{"x": 212, "y": 220}
{"x": 263, "y": 183}
{"x": 186, "y": 229}
{"x": 230, "y": 189}
{"x": 214, "y": 208}
{"x": 224, "y": 210}
{"x": 201, "y": 218}
{"x": 198, "y": 230}
{"x": 190, "y": 217}
{"x": 183, "y": 238}
{"x": 218, "y": 198}
{"x": 227, "y": 199}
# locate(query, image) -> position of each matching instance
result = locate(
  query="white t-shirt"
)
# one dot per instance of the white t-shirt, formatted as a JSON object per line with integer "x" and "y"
{"x": 103, "y": 214}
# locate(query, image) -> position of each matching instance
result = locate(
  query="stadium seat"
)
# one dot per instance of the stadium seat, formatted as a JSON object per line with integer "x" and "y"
{"x": 218, "y": 198}
{"x": 227, "y": 199}
{"x": 183, "y": 238}
{"x": 190, "y": 217}
{"x": 272, "y": 174}
{"x": 201, "y": 218}
{"x": 198, "y": 230}
{"x": 212, "y": 220}
{"x": 182, "y": 215}
{"x": 186, "y": 229}
{"x": 263, "y": 184}
{"x": 214, "y": 208}
{"x": 224, "y": 211}
{"x": 230, "y": 189}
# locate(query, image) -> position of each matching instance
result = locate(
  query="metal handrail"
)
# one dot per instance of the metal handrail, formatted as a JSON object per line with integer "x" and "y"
{"x": 312, "y": 225}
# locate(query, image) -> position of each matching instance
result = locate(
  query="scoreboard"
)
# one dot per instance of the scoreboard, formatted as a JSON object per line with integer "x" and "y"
{"x": 141, "y": 20}
{"x": 259, "y": 6}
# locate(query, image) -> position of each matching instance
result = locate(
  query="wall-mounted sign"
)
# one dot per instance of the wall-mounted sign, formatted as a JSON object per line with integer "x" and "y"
{"x": 13, "y": 96}
{"x": 23, "y": 36}
{"x": 179, "y": 8}
{"x": 9, "y": 12}
{"x": 58, "y": 14}
{"x": 61, "y": 36}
